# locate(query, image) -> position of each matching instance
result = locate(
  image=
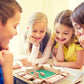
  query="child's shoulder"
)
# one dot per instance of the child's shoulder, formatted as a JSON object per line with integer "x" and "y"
{"x": 75, "y": 40}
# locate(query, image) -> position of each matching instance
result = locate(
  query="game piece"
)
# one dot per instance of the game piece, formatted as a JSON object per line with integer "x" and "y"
{"x": 44, "y": 82}
{"x": 51, "y": 66}
{"x": 36, "y": 75}
{"x": 42, "y": 73}
{"x": 58, "y": 71}
{"x": 37, "y": 81}
{"x": 28, "y": 77}
{"x": 54, "y": 79}
{"x": 64, "y": 74}
{"x": 21, "y": 73}
{"x": 36, "y": 65}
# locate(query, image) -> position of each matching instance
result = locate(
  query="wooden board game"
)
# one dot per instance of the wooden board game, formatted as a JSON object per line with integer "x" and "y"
{"x": 41, "y": 74}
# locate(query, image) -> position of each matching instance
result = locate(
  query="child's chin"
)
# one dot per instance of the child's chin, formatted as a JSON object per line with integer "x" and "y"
{"x": 39, "y": 40}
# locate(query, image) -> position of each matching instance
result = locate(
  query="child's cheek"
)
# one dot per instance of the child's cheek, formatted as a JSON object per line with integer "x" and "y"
{"x": 81, "y": 31}
{"x": 43, "y": 35}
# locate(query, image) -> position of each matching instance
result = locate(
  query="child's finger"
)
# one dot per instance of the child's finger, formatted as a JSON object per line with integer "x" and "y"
{"x": 31, "y": 39}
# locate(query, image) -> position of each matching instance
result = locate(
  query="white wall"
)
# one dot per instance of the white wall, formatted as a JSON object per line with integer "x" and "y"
{"x": 74, "y": 3}
{"x": 50, "y": 7}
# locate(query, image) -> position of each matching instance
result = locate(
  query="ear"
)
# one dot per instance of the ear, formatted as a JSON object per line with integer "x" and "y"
{"x": 1, "y": 25}
{"x": 73, "y": 31}
{"x": 28, "y": 28}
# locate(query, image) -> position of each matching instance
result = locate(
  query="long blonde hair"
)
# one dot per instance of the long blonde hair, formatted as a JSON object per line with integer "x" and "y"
{"x": 36, "y": 18}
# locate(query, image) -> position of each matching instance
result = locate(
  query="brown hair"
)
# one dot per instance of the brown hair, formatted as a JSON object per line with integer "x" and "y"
{"x": 63, "y": 18}
{"x": 78, "y": 14}
{"x": 8, "y": 9}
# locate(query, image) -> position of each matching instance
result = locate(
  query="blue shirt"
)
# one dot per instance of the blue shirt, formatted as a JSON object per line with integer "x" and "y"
{"x": 1, "y": 76}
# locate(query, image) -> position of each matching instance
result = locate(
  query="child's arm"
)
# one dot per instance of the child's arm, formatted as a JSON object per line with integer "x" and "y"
{"x": 60, "y": 53}
{"x": 46, "y": 53}
{"x": 73, "y": 64}
{"x": 6, "y": 62}
{"x": 34, "y": 52}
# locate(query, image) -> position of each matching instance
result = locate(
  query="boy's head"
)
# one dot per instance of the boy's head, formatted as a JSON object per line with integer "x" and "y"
{"x": 8, "y": 9}
{"x": 9, "y": 19}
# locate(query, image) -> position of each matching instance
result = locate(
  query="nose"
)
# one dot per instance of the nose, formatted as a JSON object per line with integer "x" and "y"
{"x": 38, "y": 34}
{"x": 77, "y": 32}
{"x": 15, "y": 33}
{"x": 60, "y": 36}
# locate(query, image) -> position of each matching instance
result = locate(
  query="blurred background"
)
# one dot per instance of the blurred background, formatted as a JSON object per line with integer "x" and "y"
{"x": 50, "y": 7}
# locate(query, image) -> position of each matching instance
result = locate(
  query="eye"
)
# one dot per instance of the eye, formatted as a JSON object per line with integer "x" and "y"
{"x": 42, "y": 31}
{"x": 57, "y": 32}
{"x": 66, "y": 33}
{"x": 34, "y": 31}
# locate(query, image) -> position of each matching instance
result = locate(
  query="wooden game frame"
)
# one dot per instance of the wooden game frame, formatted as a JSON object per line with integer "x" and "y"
{"x": 48, "y": 80}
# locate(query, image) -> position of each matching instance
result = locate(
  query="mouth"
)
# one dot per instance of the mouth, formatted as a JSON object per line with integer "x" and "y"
{"x": 61, "y": 39}
{"x": 37, "y": 38}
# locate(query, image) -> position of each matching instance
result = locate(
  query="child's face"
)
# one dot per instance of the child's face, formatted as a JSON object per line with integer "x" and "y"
{"x": 78, "y": 29}
{"x": 38, "y": 31}
{"x": 63, "y": 33}
{"x": 8, "y": 30}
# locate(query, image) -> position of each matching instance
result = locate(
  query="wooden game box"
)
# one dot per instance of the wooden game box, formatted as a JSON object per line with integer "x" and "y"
{"x": 41, "y": 74}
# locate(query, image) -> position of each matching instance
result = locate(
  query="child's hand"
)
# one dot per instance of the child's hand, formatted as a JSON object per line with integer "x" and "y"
{"x": 81, "y": 40}
{"x": 58, "y": 40}
{"x": 6, "y": 59}
{"x": 32, "y": 40}
{"x": 25, "y": 62}
{"x": 55, "y": 62}
{"x": 16, "y": 66}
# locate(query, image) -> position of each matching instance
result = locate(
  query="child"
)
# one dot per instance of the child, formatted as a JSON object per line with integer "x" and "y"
{"x": 9, "y": 19}
{"x": 77, "y": 19}
{"x": 37, "y": 36}
{"x": 67, "y": 52}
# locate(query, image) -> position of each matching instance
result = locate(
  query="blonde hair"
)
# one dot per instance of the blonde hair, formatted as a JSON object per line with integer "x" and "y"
{"x": 36, "y": 18}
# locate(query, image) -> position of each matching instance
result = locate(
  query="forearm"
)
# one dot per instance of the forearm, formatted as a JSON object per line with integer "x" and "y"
{"x": 8, "y": 75}
{"x": 6, "y": 61}
{"x": 45, "y": 56}
{"x": 60, "y": 53}
{"x": 35, "y": 52}
{"x": 69, "y": 64}
{"x": 46, "y": 53}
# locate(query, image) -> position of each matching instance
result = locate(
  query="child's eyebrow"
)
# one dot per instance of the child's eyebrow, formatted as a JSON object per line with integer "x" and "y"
{"x": 76, "y": 25}
{"x": 64, "y": 31}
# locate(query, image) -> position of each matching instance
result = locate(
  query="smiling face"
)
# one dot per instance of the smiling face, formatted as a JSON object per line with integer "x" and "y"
{"x": 8, "y": 30}
{"x": 63, "y": 33}
{"x": 38, "y": 31}
{"x": 78, "y": 29}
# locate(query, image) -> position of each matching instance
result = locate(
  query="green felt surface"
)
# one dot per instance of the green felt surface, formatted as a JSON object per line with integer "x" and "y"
{"x": 47, "y": 73}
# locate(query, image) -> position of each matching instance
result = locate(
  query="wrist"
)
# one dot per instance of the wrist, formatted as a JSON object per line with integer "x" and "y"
{"x": 61, "y": 45}
{"x": 36, "y": 44}
{"x": 34, "y": 62}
